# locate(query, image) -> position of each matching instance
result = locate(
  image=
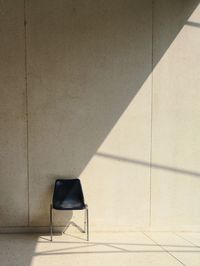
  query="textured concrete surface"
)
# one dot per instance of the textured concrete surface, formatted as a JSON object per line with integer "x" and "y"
{"x": 136, "y": 248}
{"x": 13, "y": 137}
{"x": 87, "y": 60}
{"x": 176, "y": 121}
{"x": 96, "y": 111}
{"x": 120, "y": 181}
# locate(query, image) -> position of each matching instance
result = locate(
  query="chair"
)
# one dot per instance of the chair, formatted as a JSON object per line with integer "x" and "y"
{"x": 68, "y": 195}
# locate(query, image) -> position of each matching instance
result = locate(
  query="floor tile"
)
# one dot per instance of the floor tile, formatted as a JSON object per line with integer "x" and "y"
{"x": 186, "y": 252}
{"x": 119, "y": 249}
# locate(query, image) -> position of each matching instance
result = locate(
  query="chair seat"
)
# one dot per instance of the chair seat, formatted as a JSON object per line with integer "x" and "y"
{"x": 68, "y": 205}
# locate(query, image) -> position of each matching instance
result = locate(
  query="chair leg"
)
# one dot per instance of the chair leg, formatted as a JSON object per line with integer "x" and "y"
{"x": 51, "y": 223}
{"x": 85, "y": 220}
{"x": 66, "y": 227}
{"x": 87, "y": 212}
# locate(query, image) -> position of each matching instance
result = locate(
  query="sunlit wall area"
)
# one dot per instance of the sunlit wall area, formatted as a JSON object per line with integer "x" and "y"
{"x": 107, "y": 91}
{"x": 117, "y": 179}
{"x": 176, "y": 120}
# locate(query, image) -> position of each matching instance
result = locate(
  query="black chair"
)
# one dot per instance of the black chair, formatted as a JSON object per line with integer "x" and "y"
{"x": 68, "y": 195}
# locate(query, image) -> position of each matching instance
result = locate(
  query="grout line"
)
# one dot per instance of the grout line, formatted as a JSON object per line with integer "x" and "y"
{"x": 105, "y": 231}
{"x": 27, "y": 120}
{"x": 186, "y": 239}
{"x": 151, "y": 118}
{"x": 29, "y": 227}
{"x": 167, "y": 251}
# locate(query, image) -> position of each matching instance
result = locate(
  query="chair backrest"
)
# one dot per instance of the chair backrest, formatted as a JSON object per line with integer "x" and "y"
{"x": 68, "y": 195}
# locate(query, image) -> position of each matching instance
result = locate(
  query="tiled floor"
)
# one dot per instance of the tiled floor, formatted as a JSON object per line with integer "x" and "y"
{"x": 130, "y": 248}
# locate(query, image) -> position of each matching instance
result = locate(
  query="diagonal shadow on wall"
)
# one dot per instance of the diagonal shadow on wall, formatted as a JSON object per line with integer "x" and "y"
{"x": 87, "y": 60}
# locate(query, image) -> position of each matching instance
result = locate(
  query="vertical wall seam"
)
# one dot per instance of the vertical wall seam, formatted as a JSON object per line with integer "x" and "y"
{"x": 27, "y": 120}
{"x": 151, "y": 130}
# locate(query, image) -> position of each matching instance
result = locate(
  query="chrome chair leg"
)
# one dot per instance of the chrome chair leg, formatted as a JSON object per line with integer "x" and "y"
{"x": 51, "y": 223}
{"x": 87, "y": 212}
{"x": 66, "y": 227}
{"x": 85, "y": 220}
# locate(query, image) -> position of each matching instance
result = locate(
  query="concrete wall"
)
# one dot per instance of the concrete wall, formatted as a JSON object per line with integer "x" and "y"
{"x": 176, "y": 120}
{"x": 13, "y": 128}
{"x": 107, "y": 91}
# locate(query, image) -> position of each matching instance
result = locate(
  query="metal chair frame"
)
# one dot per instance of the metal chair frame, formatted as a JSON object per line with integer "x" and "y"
{"x": 86, "y": 222}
